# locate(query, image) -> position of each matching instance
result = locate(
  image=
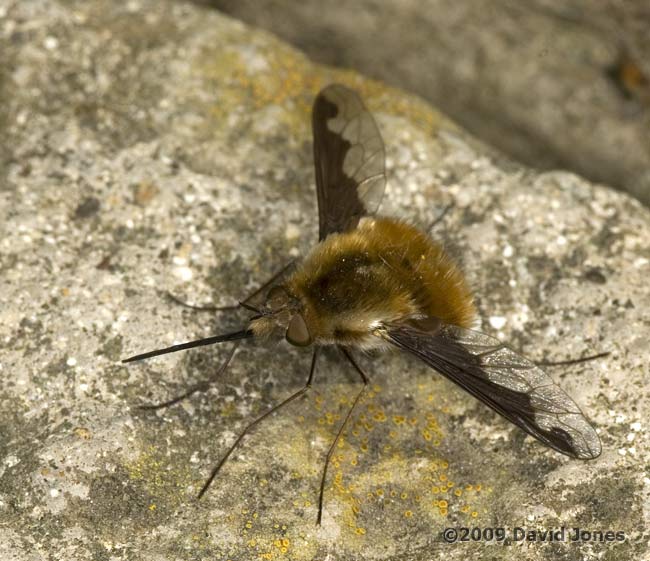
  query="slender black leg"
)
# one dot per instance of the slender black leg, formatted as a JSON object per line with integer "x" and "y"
{"x": 572, "y": 361}
{"x": 234, "y": 306}
{"x": 289, "y": 399}
{"x": 365, "y": 379}
{"x": 199, "y": 387}
{"x": 205, "y": 384}
{"x": 200, "y": 308}
{"x": 440, "y": 218}
{"x": 269, "y": 282}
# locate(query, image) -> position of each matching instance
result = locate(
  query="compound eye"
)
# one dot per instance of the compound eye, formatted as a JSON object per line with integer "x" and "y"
{"x": 297, "y": 332}
{"x": 277, "y": 298}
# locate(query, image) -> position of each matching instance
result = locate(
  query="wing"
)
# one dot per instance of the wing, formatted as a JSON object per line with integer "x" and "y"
{"x": 349, "y": 160}
{"x": 507, "y": 382}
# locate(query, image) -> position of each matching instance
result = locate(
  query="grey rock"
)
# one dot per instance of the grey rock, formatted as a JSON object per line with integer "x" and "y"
{"x": 536, "y": 79}
{"x": 153, "y": 146}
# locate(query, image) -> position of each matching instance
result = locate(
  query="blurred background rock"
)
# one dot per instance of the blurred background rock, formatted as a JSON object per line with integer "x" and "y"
{"x": 552, "y": 84}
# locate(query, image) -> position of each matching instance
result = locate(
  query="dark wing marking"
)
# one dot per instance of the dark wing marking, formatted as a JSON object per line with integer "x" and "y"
{"x": 509, "y": 383}
{"x": 349, "y": 160}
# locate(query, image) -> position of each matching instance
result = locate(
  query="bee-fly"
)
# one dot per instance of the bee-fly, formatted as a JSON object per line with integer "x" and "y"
{"x": 375, "y": 283}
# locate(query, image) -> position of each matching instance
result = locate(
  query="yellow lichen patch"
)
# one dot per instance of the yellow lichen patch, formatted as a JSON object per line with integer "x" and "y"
{"x": 330, "y": 418}
{"x": 390, "y": 459}
{"x": 282, "y": 545}
{"x": 282, "y": 77}
{"x": 394, "y": 491}
{"x": 272, "y": 548}
{"x": 369, "y": 469}
{"x": 379, "y": 416}
{"x": 164, "y": 479}
{"x": 83, "y": 432}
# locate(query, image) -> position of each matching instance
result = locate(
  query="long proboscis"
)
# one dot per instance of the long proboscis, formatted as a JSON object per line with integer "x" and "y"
{"x": 243, "y": 334}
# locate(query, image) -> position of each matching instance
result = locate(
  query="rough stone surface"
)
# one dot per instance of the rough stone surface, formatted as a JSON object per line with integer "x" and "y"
{"x": 539, "y": 79}
{"x": 152, "y": 146}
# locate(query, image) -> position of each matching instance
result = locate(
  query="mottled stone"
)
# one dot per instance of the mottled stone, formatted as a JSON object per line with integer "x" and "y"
{"x": 155, "y": 147}
{"x": 553, "y": 84}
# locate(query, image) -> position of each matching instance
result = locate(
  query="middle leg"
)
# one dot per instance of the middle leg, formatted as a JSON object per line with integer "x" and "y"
{"x": 365, "y": 379}
{"x": 289, "y": 399}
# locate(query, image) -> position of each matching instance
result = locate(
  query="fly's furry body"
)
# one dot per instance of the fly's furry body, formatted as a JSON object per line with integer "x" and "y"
{"x": 383, "y": 271}
{"x": 374, "y": 282}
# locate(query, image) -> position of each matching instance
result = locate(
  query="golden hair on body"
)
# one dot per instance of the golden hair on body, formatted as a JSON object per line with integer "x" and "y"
{"x": 384, "y": 271}
{"x": 375, "y": 282}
